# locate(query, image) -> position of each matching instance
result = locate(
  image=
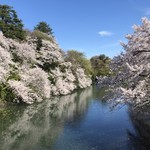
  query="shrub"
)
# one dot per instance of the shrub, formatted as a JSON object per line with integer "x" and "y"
{"x": 6, "y": 94}
{"x": 42, "y": 36}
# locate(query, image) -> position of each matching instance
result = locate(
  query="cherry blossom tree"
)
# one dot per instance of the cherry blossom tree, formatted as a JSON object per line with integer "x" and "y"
{"x": 132, "y": 67}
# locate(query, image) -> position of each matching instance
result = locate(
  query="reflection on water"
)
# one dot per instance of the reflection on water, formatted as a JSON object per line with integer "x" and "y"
{"x": 140, "y": 139}
{"x": 39, "y": 125}
{"x": 79, "y": 121}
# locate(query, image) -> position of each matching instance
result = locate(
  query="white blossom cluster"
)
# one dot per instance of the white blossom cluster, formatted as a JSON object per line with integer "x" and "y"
{"x": 22, "y": 70}
{"x": 26, "y": 52}
{"x": 64, "y": 81}
{"x": 37, "y": 80}
{"x": 50, "y": 52}
{"x": 5, "y": 59}
{"x": 24, "y": 93}
{"x": 83, "y": 80}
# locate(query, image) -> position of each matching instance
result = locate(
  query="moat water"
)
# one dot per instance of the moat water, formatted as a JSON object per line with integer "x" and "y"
{"x": 79, "y": 121}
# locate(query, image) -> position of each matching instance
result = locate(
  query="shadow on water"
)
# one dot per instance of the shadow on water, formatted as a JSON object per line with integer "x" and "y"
{"x": 79, "y": 121}
{"x": 140, "y": 139}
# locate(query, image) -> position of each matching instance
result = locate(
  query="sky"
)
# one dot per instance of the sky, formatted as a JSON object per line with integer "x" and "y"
{"x": 93, "y": 27}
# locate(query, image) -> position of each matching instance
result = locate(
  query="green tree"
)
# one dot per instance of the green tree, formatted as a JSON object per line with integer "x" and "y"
{"x": 100, "y": 65}
{"x": 10, "y": 24}
{"x": 78, "y": 59}
{"x": 44, "y": 27}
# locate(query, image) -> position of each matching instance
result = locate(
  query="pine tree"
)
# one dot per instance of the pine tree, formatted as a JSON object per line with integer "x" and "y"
{"x": 10, "y": 24}
{"x": 44, "y": 27}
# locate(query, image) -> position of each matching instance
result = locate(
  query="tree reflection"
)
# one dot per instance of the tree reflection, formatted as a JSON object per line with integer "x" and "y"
{"x": 38, "y": 126}
{"x": 140, "y": 139}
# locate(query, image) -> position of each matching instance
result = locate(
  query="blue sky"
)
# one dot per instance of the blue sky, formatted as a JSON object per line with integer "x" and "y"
{"x": 92, "y": 26}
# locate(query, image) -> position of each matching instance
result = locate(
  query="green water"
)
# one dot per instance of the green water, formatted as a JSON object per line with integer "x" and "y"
{"x": 79, "y": 121}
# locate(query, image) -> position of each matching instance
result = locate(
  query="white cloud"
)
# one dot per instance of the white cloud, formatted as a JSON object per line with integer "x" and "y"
{"x": 147, "y": 11}
{"x": 105, "y": 33}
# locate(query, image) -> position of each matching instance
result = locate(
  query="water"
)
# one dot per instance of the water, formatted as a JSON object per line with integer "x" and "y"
{"x": 80, "y": 121}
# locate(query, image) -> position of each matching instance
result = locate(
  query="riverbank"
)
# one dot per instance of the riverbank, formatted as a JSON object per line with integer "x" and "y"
{"x": 29, "y": 75}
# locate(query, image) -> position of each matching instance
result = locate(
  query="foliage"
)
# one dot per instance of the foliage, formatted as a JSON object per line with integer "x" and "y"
{"x": 10, "y": 24}
{"x": 100, "y": 65}
{"x": 62, "y": 68}
{"x": 52, "y": 80}
{"x": 44, "y": 27}
{"x": 78, "y": 59}
{"x": 86, "y": 65}
{"x": 41, "y": 35}
{"x": 48, "y": 66}
{"x": 39, "y": 44}
{"x": 14, "y": 76}
{"x": 13, "y": 67}
{"x": 6, "y": 94}
{"x": 17, "y": 58}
